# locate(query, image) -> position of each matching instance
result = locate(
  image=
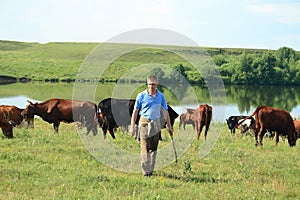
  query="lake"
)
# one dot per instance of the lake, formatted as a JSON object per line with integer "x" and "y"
{"x": 238, "y": 100}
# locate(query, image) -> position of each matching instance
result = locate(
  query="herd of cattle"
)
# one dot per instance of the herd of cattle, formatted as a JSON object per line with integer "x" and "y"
{"x": 113, "y": 113}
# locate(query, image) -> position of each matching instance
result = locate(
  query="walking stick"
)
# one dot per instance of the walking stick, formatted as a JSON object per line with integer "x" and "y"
{"x": 174, "y": 148}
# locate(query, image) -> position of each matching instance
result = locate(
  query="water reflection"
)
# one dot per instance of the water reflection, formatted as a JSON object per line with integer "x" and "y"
{"x": 247, "y": 97}
{"x": 239, "y": 99}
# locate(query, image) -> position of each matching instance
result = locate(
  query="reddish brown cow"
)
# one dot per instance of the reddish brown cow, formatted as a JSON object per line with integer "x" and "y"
{"x": 11, "y": 116}
{"x": 63, "y": 110}
{"x": 273, "y": 119}
{"x": 204, "y": 115}
{"x": 187, "y": 118}
{"x": 13, "y": 113}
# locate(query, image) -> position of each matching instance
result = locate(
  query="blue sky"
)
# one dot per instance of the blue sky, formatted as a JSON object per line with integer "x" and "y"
{"x": 262, "y": 24}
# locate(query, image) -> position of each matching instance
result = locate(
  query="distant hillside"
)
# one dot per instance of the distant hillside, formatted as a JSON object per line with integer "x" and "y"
{"x": 60, "y": 61}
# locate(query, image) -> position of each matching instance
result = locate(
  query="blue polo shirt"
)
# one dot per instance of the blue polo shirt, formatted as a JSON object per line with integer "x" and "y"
{"x": 150, "y": 107}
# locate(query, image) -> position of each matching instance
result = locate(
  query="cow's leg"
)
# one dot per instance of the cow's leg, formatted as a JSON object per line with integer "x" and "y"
{"x": 276, "y": 138}
{"x": 111, "y": 131}
{"x": 94, "y": 129}
{"x": 200, "y": 129}
{"x": 206, "y": 130}
{"x": 88, "y": 129}
{"x": 193, "y": 124}
{"x": 184, "y": 125}
{"x": 104, "y": 130}
{"x": 256, "y": 136}
{"x": 55, "y": 126}
{"x": 256, "y": 132}
{"x": 261, "y": 135}
{"x": 292, "y": 138}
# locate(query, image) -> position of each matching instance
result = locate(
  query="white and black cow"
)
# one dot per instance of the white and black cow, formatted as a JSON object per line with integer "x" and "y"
{"x": 232, "y": 121}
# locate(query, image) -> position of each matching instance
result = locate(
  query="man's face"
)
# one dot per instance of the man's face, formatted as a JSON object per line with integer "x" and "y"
{"x": 152, "y": 84}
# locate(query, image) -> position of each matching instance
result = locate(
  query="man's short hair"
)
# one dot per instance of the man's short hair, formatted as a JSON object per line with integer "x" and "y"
{"x": 152, "y": 77}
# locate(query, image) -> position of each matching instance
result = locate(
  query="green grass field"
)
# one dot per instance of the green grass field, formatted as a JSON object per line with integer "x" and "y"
{"x": 39, "y": 164}
{"x": 61, "y": 61}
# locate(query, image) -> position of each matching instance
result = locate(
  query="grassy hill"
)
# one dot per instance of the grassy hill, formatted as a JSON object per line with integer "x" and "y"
{"x": 61, "y": 61}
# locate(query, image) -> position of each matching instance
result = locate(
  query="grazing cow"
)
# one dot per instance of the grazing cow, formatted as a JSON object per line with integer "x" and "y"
{"x": 13, "y": 113}
{"x": 6, "y": 126}
{"x": 273, "y": 119}
{"x": 204, "y": 113}
{"x": 118, "y": 112}
{"x": 248, "y": 124}
{"x": 11, "y": 116}
{"x": 63, "y": 110}
{"x": 232, "y": 121}
{"x": 187, "y": 118}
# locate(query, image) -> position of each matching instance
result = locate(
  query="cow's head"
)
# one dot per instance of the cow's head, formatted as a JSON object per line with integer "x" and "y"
{"x": 29, "y": 111}
{"x": 7, "y": 128}
{"x": 100, "y": 119}
{"x": 230, "y": 123}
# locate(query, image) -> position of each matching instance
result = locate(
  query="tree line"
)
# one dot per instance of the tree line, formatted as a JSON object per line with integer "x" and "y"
{"x": 267, "y": 67}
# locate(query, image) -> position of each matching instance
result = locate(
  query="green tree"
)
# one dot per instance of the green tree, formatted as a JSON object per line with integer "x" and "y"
{"x": 285, "y": 56}
{"x": 158, "y": 72}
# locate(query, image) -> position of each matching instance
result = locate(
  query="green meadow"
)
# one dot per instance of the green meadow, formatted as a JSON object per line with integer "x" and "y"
{"x": 62, "y": 61}
{"x": 39, "y": 164}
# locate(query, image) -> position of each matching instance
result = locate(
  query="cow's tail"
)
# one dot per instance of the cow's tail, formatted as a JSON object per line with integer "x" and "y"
{"x": 248, "y": 117}
{"x": 206, "y": 115}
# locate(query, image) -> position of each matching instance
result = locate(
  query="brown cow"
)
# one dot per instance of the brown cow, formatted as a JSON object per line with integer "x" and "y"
{"x": 273, "y": 119}
{"x": 187, "y": 118}
{"x": 11, "y": 116}
{"x": 63, "y": 110}
{"x": 204, "y": 115}
{"x": 13, "y": 113}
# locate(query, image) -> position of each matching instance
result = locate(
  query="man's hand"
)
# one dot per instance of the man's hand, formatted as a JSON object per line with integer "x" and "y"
{"x": 170, "y": 129}
{"x": 132, "y": 131}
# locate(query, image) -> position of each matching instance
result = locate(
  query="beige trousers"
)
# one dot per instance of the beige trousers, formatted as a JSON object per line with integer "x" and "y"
{"x": 149, "y": 138}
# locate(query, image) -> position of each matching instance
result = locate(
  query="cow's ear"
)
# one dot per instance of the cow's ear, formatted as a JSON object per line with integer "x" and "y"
{"x": 30, "y": 102}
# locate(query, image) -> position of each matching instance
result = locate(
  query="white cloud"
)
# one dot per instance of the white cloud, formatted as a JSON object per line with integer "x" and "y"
{"x": 283, "y": 13}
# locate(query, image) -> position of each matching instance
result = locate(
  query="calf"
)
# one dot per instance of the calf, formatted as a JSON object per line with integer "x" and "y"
{"x": 232, "y": 121}
{"x": 187, "y": 118}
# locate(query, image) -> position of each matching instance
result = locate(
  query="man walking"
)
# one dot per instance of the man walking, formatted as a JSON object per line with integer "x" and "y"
{"x": 149, "y": 104}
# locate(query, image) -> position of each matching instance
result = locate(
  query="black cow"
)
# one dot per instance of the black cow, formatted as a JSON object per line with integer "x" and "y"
{"x": 117, "y": 112}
